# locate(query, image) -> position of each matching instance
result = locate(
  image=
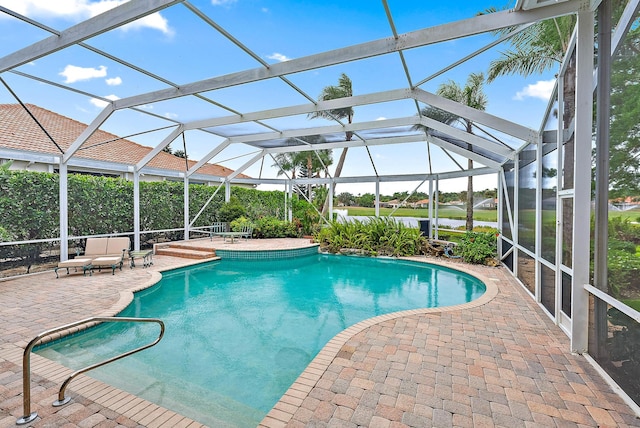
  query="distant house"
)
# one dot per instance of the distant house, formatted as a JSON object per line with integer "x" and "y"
{"x": 26, "y": 144}
{"x": 423, "y": 203}
{"x": 491, "y": 204}
{"x": 626, "y": 203}
{"x": 394, "y": 203}
{"x": 456, "y": 203}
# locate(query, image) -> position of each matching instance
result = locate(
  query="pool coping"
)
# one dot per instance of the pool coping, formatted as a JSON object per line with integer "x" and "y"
{"x": 151, "y": 414}
{"x": 283, "y": 411}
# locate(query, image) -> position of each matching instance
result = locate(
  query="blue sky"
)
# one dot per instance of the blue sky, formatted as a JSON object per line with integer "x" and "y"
{"x": 178, "y": 46}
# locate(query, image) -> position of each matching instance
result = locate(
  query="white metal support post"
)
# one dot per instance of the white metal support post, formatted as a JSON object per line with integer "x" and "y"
{"x": 538, "y": 223}
{"x": 64, "y": 211}
{"x": 516, "y": 213}
{"x": 286, "y": 202}
{"x": 377, "y": 201}
{"x": 331, "y": 186}
{"x": 436, "y": 210}
{"x": 430, "y": 234}
{"x": 136, "y": 210}
{"x": 499, "y": 208}
{"x": 582, "y": 180}
{"x": 227, "y": 191}
{"x": 559, "y": 200}
{"x": 186, "y": 207}
{"x": 290, "y": 207}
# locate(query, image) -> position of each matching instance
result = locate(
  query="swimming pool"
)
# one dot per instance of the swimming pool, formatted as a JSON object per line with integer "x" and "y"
{"x": 238, "y": 333}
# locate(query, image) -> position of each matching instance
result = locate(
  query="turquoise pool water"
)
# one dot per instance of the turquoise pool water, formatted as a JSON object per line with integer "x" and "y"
{"x": 238, "y": 333}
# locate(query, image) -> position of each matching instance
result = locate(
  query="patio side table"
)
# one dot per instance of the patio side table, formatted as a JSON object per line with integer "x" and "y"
{"x": 146, "y": 255}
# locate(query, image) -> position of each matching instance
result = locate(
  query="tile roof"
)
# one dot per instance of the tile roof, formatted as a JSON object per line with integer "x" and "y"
{"x": 19, "y": 131}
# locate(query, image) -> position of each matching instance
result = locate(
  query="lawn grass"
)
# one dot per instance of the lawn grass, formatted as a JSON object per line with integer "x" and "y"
{"x": 460, "y": 214}
{"x": 632, "y": 215}
{"x": 635, "y": 304}
{"x": 452, "y": 213}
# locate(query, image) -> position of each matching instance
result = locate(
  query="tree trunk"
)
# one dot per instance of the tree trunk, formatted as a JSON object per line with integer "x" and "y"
{"x": 469, "y": 223}
{"x": 339, "y": 166}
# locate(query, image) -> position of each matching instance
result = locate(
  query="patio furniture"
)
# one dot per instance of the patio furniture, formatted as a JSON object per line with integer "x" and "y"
{"x": 78, "y": 262}
{"x": 108, "y": 262}
{"x": 230, "y": 235}
{"x": 216, "y": 228}
{"x": 109, "y": 252}
{"x": 146, "y": 255}
{"x": 247, "y": 232}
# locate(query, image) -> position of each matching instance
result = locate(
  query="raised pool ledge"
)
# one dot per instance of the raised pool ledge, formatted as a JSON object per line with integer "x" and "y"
{"x": 289, "y": 253}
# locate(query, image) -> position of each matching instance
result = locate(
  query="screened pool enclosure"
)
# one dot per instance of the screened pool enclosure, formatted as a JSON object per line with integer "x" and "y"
{"x": 553, "y": 181}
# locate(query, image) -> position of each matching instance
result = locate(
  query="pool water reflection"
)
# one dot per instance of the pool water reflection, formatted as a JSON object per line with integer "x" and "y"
{"x": 238, "y": 333}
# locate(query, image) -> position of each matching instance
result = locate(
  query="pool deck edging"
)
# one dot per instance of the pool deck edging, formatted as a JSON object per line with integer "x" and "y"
{"x": 283, "y": 411}
{"x": 521, "y": 362}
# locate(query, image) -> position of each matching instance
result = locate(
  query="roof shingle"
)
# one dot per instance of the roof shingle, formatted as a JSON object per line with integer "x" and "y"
{"x": 19, "y": 131}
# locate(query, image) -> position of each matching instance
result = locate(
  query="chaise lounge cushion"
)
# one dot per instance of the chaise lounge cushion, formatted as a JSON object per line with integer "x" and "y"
{"x": 83, "y": 262}
{"x": 112, "y": 262}
{"x": 116, "y": 246}
{"x": 96, "y": 247}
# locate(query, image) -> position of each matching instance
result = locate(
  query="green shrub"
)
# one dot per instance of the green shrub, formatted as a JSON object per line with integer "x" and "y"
{"x": 623, "y": 229}
{"x": 477, "y": 247}
{"x": 237, "y": 224}
{"x": 375, "y": 236}
{"x": 616, "y": 245}
{"x": 231, "y": 210}
{"x": 104, "y": 205}
{"x": 623, "y": 272}
{"x": 5, "y": 236}
{"x": 270, "y": 227}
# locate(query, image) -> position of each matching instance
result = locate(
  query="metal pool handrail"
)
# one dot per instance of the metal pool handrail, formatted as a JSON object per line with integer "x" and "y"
{"x": 26, "y": 361}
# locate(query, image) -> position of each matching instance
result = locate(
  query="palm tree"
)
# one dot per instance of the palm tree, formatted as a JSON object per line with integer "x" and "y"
{"x": 304, "y": 164}
{"x": 536, "y": 49}
{"x": 342, "y": 90}
{"x": 471, "y": 95}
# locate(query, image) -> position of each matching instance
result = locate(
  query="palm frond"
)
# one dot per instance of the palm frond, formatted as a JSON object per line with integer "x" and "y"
{"x": 521, "y": 62}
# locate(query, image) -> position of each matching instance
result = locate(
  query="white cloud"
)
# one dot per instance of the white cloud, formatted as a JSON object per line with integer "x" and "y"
{"x": 114, "y": 81}
{"x": 278, "y": 57}
{"x": 77, "y": 10}
{"x": 541, "y": 89}
{"x": 155, "y": 21}
{"x": 73, "y": 73}
{"x": 102, "y": 104}
{"x": 381, "y": 118}
{"x": 222, "y": 2}
{"x": 171, "y": 115}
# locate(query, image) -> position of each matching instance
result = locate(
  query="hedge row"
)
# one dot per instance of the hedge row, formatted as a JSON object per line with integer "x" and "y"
{"x": 29, "y": 205}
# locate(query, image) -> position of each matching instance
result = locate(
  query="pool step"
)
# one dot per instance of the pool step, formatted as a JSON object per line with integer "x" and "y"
{"x": 186, "y": 251}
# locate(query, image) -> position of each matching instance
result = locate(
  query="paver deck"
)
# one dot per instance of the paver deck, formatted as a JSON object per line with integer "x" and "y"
{"x": 498, "y": 362}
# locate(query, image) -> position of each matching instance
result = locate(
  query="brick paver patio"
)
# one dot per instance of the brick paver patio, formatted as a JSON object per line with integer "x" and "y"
{"x": 499, "y": 362}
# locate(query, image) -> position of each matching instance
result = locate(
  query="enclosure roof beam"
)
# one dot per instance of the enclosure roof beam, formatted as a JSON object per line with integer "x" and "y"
{"x": 463, "y": 152}
{"x": 157, "y": 149}
{"x": 301, "y": 132}
{"x": 113, "y": 18}
{"x": 213, "y": 153}
{"x": 246, "y": 165}
{"x": 423, "y": 37}
{"x": 472, "y": 139}
{"x": 372, "y": 98}
{"x": 624, "y": 25}
{"x": 503, "y": 125}
{"x": 371, "y": 178}
{"x": 88, "y": 132}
